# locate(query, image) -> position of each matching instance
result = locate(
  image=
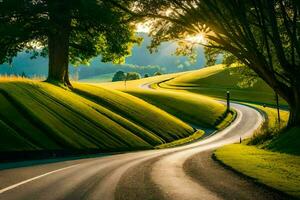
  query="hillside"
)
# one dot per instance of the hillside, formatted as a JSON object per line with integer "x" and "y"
{"x": 217, "y": 80}
{"x": 40, "y": 116}
{"x": 197, "y": 110}
{"x": 271, "y": 156}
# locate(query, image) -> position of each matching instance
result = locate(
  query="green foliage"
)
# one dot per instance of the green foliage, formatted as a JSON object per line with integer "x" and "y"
{"x": 95, "y": 28}
{"x": 119, "y": 76}
{"x": 146, "y": 75}
{"x": 157, "y": 73}
{"x": 286, "y": 142}
{"x": 132, "y": 76}
{"x": 211, "y": 56}
{"x": 263, "y": 35}
{"x": 271, "y": 127}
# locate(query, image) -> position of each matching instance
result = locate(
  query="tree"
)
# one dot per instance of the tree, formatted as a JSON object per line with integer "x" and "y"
{"x": 262, "y": 34}
{"x": 67, "y": 31}
{"x": 132, "y": 76}
{"x": 157, "y": 74}
{"x": 146, "y": 75}
{"x": 119, "y": 76}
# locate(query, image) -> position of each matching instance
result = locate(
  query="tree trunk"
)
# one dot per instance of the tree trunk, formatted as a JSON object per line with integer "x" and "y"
{"x": 294, "y": 104}
{"x": 58, "y": 44}
{"x": 291, "y": 94}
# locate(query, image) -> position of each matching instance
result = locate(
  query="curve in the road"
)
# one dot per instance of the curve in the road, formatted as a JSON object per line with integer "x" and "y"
{"x": 176, "y": 173}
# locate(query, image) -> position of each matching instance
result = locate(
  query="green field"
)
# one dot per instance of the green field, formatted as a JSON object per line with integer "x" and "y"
{"x": 217, "y": 80}
{"x": 273, "y": 160}
{"x": 280, "y": 171}
{"x": 195, "y": 109}
{"x": 38, "y": 116}
{"x": 98, "y": 79}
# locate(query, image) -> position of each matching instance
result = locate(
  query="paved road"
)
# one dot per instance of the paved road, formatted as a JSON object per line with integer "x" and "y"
{"x": 182, "y": 173}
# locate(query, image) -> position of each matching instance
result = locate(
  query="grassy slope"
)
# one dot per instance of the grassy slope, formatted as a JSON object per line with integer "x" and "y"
{"x": 37, "y": 115}
{"x": 215, "y": 81}
{"x": 195, "y": 109}
{"x": 188, "y": 107}
{"x": 267, "y": 161}
{"x": 280, "y": 171}
{"x": 99, "y": 79}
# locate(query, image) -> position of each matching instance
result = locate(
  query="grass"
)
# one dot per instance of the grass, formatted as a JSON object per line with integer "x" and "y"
{"x": 135, "y": 84}
{"x": 196, "y": 136}
{"x": 99, "y": 79}
{"x": 277, "y": 170}
{"x": 273, "y": 159}
{"x": 197, "y": 110}
{"x": 37, "y": 116}
{"x": 271, "y": 127}
{"x": 286, "y": 142}
{"x": 217, "y": 80}
{"x": 194, "y": 109}
{"x": 40, "y": 116}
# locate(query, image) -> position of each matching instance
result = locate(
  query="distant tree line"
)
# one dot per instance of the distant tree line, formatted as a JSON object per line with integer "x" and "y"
{"x": 122, "y": 76}
{"x": 86, "y": 72}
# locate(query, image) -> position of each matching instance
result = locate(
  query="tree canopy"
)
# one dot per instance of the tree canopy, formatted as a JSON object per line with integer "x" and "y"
{"x": 67, "y": 31}
{"x": 264, "y": 35}
{"x": 119, "y": 76}
{"x": 132, "y": 76}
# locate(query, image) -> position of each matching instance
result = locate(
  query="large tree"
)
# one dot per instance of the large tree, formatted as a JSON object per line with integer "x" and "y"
{"x": 262, "y": 34}
{"x": 68, "y": 31}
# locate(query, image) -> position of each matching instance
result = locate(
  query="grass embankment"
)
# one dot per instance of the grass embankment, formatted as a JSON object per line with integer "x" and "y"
{"x": 270, "y": 157}
{"x": 196, "y": 136}
{"x": 40, "y": 116}
{"x": 280, "y": 171}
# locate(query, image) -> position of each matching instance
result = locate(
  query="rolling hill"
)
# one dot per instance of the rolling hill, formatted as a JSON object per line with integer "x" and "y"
{"x": 40, "y": 116}
{"x": 215, "y": 81}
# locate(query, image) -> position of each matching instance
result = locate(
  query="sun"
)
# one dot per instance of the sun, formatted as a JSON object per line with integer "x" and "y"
{"x": 143, "y": 28}
{"x": 196, "y": 39}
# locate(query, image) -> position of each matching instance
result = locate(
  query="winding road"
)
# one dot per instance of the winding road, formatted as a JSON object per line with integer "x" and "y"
{"x": 182, "y": 173}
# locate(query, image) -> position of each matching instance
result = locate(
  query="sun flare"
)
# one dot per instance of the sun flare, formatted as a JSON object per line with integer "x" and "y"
{"x": 143, "y": 28}
{"x": 196, "y": 39}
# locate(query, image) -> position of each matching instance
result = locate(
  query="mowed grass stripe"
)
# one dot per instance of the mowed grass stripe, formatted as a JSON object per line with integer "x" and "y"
{"x": 57, "y": 118}
{"x": 194, "y": 109}
{"x": 162, "y": 124}
{"x": 47, "y": 116}
{"x": 90, "y": 124}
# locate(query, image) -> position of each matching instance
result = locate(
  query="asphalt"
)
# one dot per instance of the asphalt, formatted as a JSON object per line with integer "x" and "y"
{"x": 182, "y": 173}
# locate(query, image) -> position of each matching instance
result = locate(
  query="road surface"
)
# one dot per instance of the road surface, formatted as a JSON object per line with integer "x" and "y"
{"x": 181, "y": 173}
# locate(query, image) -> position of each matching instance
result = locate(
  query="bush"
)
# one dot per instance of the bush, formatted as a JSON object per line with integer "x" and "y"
{"x": 119, "y": 76}
{"x": 157, "y": 74}
{"x": 146, "y": 75}
{"x": 132, "y": 76}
